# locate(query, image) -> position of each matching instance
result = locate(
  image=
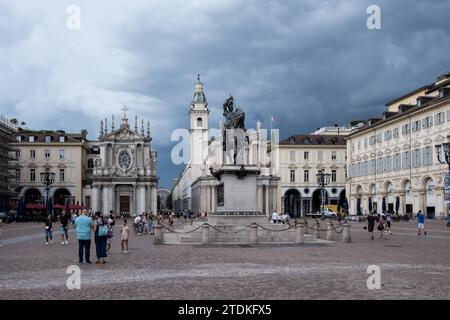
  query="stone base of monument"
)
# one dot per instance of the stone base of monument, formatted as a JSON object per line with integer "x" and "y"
{"x": 233, "y": 234}
{"x": 237, "y": 218}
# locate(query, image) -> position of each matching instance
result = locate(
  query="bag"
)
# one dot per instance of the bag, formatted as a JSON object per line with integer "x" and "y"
{"x": 110, "y": 233}
{"x": 103, "y": 230}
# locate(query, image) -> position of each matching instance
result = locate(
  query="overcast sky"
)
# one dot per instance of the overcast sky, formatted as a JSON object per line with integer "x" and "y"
{"x": 306, "y": 63}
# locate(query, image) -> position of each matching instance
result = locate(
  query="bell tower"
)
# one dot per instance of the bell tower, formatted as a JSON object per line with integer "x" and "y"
{"x": 198, "y": 115}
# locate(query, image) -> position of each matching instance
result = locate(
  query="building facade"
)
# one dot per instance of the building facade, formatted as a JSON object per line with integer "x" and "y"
{"x": 60, "y": 152}
{"x": 8, "y": 131}
{"x": 123, "y": 163}
{"x": 301, "y": 158}
{"x": 392, "y": 161}
{"x": 115, "y": 173}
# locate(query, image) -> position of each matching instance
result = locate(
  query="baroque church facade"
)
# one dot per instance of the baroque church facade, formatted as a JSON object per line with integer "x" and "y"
{"x": 123, "y": 177}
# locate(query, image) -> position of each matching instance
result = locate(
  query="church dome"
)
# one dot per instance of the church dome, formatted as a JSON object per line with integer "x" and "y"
{"x": 199, "y": 95}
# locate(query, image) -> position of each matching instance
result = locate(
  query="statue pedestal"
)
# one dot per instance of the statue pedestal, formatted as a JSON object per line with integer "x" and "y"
{"x": 237, "y": 196}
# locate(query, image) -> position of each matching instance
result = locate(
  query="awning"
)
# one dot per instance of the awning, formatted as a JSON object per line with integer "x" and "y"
{"x": 35, "y": 206}
{"x": 58, "y": 206}
{"x": 75, "y": 207}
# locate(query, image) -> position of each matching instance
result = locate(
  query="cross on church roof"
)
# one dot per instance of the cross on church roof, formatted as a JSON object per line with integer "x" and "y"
{"x": 124, "y": 109}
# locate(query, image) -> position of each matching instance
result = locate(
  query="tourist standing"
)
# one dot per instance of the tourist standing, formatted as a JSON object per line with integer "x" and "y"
{"x": 111, "y": 223}
{"x": 101, "y": 231}
{"x": 48, "y": 225}
{"x": 83, "y": 227}
{"x": 125, "y": 232}
{"x": 64, "y": 220}
{"x": 421, "y": 223}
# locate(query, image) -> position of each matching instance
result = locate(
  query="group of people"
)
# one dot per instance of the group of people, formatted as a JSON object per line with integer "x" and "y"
{"x": 103, "y": 231}
{"x": 280, "y": 218}
{"x": 143, "y": 223}
{"x": 101, "y": 227}
{"x": 384, "y": 223}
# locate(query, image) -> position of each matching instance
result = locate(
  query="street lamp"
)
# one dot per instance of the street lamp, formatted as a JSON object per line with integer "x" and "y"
{"x": 443, "y": 152}
{"x": 323, "y": 179}
{"x": 47, "y": 179}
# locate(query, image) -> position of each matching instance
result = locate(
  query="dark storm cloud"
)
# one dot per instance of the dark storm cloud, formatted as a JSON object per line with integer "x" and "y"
{"x": 306, "y": 63}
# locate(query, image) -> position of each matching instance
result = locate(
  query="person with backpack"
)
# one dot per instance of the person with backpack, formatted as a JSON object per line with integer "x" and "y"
{"x": 101, "y": 231}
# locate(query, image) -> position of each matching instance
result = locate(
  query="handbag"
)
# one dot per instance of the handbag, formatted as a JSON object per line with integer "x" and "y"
{"x": 103, "y": 230}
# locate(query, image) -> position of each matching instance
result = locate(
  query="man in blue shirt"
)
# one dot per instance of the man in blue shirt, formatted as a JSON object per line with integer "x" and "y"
{"x": 84, "y": 226}
{"x": 421, "y": 223}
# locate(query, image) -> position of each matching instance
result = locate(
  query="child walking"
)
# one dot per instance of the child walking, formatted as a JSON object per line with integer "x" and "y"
{"x": 125, "y": 231}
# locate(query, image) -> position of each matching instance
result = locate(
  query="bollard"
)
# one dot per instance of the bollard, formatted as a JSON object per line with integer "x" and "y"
{"x": 300, "y": 233}
{"x": 205, "y": 234}
{"x": 346, "y": 236}
{"x": 191, "y": 222}
{"x": 158, "y": 235}
{"x": 317, "y": 230}
{"x": 330, "y": 235}
{"x": 254, "y": 234}
{"x": 306, "y": 226}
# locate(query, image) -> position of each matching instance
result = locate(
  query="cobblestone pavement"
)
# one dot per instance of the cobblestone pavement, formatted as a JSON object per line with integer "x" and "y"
{"x": 412, "y": 267}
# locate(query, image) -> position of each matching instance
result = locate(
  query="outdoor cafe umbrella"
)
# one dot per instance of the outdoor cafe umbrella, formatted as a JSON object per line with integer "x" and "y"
{"x": 397, "y": 204}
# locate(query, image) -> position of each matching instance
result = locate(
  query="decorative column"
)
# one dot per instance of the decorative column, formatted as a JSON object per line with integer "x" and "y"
{"x": 154, "y": 201}
{"x": 140, "y": 199}
{"x": 95, "y": 198}
{"x": 111, "y": 199}
{"x": 105, "y": 207}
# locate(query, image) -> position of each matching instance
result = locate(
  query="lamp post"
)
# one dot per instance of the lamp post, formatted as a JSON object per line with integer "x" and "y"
{"x": 47, "y": 179}
{"x": 323, "y": 179}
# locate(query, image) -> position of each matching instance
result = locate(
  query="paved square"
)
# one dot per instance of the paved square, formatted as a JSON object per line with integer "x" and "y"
{"x": 412, "y": 267}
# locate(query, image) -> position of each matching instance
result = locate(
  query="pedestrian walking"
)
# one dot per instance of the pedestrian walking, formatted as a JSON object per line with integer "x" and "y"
{"x": 48, "y": 227}
{"x": 421, "y": 223}
{"x": 388, "y": 223}
{"x": 371, "y": 218}
{"x": 381, "y": 225}
{"x": 64, "y": 220}
{"x": 101, "y": 231}
{"x": 83, "y": 226}
{"x": 125, "y": 232}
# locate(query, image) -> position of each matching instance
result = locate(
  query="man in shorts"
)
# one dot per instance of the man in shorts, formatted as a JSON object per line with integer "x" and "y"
{"x": 421, "y": 223}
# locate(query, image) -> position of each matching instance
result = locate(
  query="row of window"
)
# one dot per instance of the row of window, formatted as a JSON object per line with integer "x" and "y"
{"x": 33, "y": 175}
{"x": 439, "y": 118}
{"x": 48, "y": 139}
{"x": 407, "y": 160}
{"x": 47, "y": 154}
{"x": 292, "y": 176}
{"x": 293, "y": 158}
